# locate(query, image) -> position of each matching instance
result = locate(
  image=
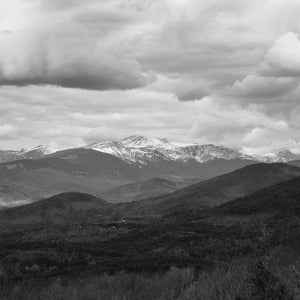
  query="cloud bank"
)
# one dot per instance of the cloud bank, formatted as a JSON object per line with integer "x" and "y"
{"x": 217, "y": 71}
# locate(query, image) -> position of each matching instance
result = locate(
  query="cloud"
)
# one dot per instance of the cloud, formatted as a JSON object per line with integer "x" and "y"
{"x": 283, "y": 58}
{"x": 71, "y": 117}
{"x": 67, "y": 59}
{"x": 7, "y": 131}
{"x": 191, "y": 89}
{"x": 217, "y": 71}
{"x": 58, "y": 5}
{"x": 107, "y": 19}
{"x": 246, "y": 128}
{"x": 191, "y": 95}
{"x": 262, "y": 88}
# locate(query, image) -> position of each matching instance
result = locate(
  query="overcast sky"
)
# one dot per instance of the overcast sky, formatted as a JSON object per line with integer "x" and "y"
{"x": 210, "y": 71}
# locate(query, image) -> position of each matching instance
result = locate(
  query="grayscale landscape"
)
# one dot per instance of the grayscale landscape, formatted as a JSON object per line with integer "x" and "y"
{"x": 149, "y": 150}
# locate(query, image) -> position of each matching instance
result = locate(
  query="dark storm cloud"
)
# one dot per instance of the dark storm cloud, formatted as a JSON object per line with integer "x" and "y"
{"x": 78, "y": 48}
{"x": 89, "y": 76}
{"x": 191, "y": 95}
{"x": 68, "y": 59}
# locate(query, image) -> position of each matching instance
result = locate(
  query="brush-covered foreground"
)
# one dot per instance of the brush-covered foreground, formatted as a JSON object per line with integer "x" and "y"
{"x": 242, "y": 279}
{"x": 248, "y": 248}
{"x": 254, "y": 257}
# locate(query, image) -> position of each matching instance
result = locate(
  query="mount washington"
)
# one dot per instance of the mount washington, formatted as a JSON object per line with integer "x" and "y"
{"x": 142, "y": 150}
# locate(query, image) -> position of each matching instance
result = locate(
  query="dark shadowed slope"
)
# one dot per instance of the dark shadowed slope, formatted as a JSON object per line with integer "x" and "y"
{"x": 153, "y": 187}
{"x": 60, "y": 208}
{"x": 217, "y": 190}
{"x": 294, "y": 163}
{"x": 283, "y": 197}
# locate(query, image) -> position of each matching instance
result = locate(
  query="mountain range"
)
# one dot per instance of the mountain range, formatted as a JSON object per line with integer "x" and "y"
{"x": 131, "y": 169}
{"x": 142, "y": 150}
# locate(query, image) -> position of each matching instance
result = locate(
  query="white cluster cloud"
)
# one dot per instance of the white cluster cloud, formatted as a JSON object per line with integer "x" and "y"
{"x": 283, "y": 58}
{"x": 74, "y": 71}
{"x": 7, "y": 131}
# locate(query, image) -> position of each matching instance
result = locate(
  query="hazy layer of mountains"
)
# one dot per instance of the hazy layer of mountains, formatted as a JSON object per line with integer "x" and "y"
{"x": 215, "y": 191}
{"x": 259, "y": 184}
{"x": 131, "y": 169}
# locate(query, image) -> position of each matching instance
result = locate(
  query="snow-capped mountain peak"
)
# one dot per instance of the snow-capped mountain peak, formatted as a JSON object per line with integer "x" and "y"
{"x": 138, "y": 141}
{"x": 280, "y": 156}
{"x": 40, "y": 148}
{"x": 25, "y": 153}
{"x": 140, "y": 149}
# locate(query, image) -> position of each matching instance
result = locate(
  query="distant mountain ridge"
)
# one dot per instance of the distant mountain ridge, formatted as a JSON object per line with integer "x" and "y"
{"x": 31, "y": 153}
{"x": 142, "y": 150}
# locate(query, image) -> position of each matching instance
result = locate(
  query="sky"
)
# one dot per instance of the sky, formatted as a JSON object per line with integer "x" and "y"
{"x": 226, "y": 72}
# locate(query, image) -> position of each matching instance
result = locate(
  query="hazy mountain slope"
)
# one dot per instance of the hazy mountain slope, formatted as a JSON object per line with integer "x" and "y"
{"x": 90, "y": 171}
{"x": 92, "y": 162}
{"x": 13, "y": 196}
{"x": 153, "y": 187}
{"x": 140, "y": 190}
{"x": 217, "y": 190}
{"x": 59, "y": 208}
{"x": 78, "y": 170}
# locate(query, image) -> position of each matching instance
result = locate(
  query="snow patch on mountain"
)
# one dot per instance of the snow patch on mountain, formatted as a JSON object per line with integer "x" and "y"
{"x": 41, "y": 149}
{"x": 140, "y": 149}
{"x": 281, "y": 156}
{"x": 30, "y": 153}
